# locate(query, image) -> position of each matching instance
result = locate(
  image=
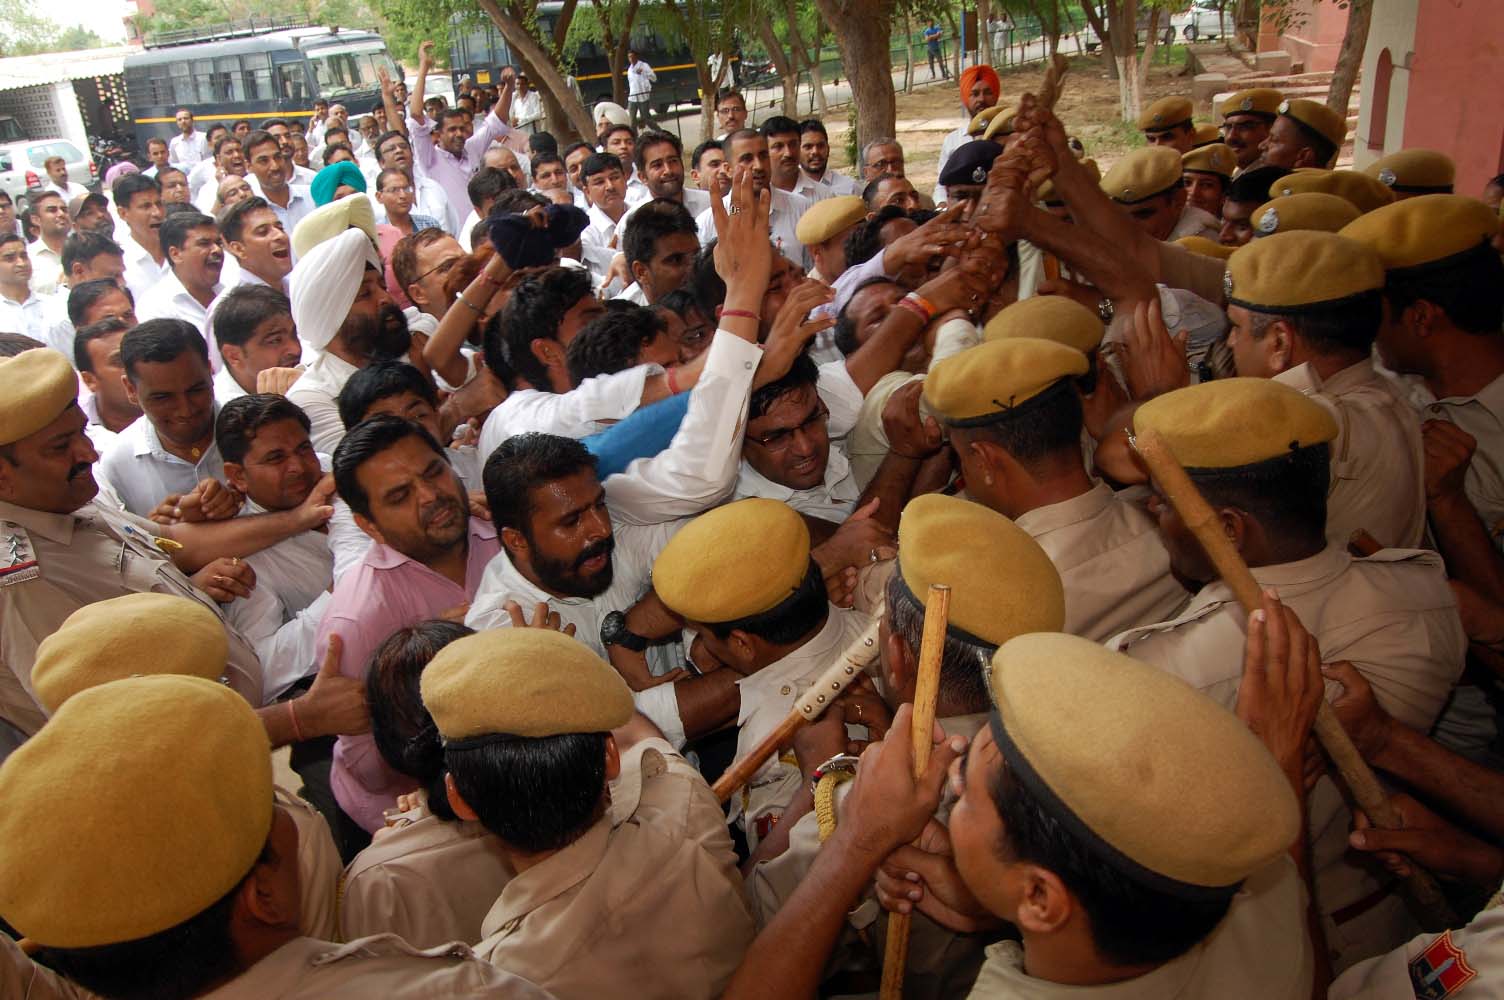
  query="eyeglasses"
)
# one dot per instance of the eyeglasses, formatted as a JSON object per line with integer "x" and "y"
{"x": 444, "y": 266}
{"x": 780, "y": 439}
{"x": 884, "y": 166}
{"x": 404, "y": 189}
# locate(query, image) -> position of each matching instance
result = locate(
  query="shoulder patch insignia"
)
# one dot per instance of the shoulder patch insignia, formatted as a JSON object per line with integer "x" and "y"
{"x": 1440, "y": 970}
{"x": 1269, "y": 222}
{"x": 18, "y": 559}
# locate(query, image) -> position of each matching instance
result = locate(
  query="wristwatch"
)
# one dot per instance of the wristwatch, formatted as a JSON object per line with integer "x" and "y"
{"x": 614, "y": 632}
{"x": 841, "y": 762}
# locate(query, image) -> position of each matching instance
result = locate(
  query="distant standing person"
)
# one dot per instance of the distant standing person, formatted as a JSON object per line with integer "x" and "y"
{"x": 189, "y": 147}
{"x": 640, "y": 80}
{"x": 932, "y": 36}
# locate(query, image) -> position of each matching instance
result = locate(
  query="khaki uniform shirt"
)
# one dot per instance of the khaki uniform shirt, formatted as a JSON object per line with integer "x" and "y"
{"x": 53, "y": 564}
{"x": 767, "y": 697}
{"x": 1470, "y": 957}
{"x": 1378, "y": 463}
{"x": 648, "y": 903}
{"x": 1393, "y": 616}
{"x": 1482, "y": 416}
{"x": 1260, "y": 951}
{"x": 1112, "y": 563}
{"x": 867, "y": 444}
{"x": 318, "y": 866}
{"x": 427, "y": 880}
{"x": 382, "y": 966}
{"x": 22, "y": 978}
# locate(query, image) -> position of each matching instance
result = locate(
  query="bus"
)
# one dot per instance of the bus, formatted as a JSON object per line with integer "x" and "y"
{"x": 255, "y": 69}
{"x": 477, "y": 51}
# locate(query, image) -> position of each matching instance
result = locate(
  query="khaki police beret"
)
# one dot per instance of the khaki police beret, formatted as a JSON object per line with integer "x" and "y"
{"x": 830, "y": 217}
{"x": 1000, "y": 125}
{"x": 1263, "y": 101}
{"x": 138, "y": 805}
{"x": 741, "y": 559}
{"x": 1142, "y": 174}
{"x": 1118, "y": 745}
{"x": 980, "y": 120}
{"x": 1234, "y": 422}
{"x": 353, "y": 211}
{"x": 997, "y": 376}
{"x": 1216, "y": 158}
{"x": 1294, "y": 271}
{"x": 1365, "y": 192}
{"x": 1205, "y": 135}
{"x": 944, "y": 539}
{"x": 1317, "y": 117}
{"x": 527, "y": 682}
{"x": 1311, "y": 210}
{"x": 1414, "y": 171}
{"x": 36, "y": 386}
{"x": 127, "y": 636}
{"x": 1425, "y": 231}
{"x": 1166, "y": 113}
{"x": 1048, "y": 317}
{"x": 1206, "y": 247}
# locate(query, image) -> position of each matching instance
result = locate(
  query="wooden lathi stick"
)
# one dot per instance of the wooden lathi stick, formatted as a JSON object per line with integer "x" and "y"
{"x": 855, "y": 659}
{"x": 1425, "y": 897}
{"x": 921, "y": 727}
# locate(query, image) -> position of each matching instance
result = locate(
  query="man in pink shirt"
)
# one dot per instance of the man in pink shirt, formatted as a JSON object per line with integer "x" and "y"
{"x": 427, "y": 561}
{"x": 458, "y": 152}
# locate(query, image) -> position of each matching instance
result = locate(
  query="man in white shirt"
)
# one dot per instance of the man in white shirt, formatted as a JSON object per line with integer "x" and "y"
{"x": 205, "y": 171}
{"x": 57, "y": 179}
{"x": 188, "y": 148}
{"x": 551, "y": 179}
{"x": 575, "y": 156}
{"x": 527, "y": 105}
{"x": 192, "y": 245}
{"x": 174, "y": 185}
{"x": 46, "y": 253}
{"x": 814, "y": 164}
{"x": 229, "y": 161}
{"x": 640, "y": 80}
{"x": 730, "y": 113}
{"x": 980, "y": 89}
{"x": 660, "y": 243}
{"x": 86, "y": 257}
{"x": 170, "y": 451}
{"x": 747, "y": 147}
{"x": 483, "y": 188}
{"x": 605, "y": 183}
{"x": 660, "y": 163}
{"x": 782, "y": 134}
{"x": 254, "y": 235}
{"x": 21, "y": 310}
{"x": 156, "y": 153}
{"x": 253, "y": 330}
{"x": 709, "y": 170}
{"x": 138, "y": 199}
{"x": 269, "y": 173}
{"x": 107, "y": 406}
{"x": 393, "y": 151}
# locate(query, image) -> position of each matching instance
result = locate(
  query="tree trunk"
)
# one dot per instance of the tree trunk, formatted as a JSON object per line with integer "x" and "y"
{"x": 817, "y": 74}
{"x": 1125, "y": 39}
{"x": 984, "y": 29}
{"x": 908, "y": 53}
{"x": 1100, "y": 21}
{"x": 1150, "y": 44}
{"x": 959, "y": 52}
{"x": 1350, "y": 56}
{"x": 863, "y": 30}
{"x": 786, "y": 70}
{"x": 810, "y": 60}
{"x": 567, "y": 117}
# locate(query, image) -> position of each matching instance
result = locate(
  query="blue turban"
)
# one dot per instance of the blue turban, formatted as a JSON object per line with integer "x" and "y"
{"x": 328, "y": 180}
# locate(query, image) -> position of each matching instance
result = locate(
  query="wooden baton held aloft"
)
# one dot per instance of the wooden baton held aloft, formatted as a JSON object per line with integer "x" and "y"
{"x": 921, "y": 727}
{"x": 1424, "y": 894}
{"x": 855, "y": 659}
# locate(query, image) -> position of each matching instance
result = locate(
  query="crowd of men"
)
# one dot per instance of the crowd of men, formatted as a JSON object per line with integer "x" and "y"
{"x": 520, "y": 492}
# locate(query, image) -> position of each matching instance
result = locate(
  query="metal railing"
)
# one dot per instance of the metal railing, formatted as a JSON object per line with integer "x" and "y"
{"x": 224, "y": 29}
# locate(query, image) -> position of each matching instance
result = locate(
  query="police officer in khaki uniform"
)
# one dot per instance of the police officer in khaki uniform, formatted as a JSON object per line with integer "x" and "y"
{"x": 1411, "y": 173}
{"x": 1365, "y": 192}
{"x": 1167, "y": 122}
{"x": 1208, "y": 171}
{"x": 1013, "y": 412}
{"x": 1311, "y": 211}
{"x": 1305, "y": 309}
{"x": 1305, "y": 134}
{"x": 1148, "y": 183}
{"x": 1260, "y": 453}
{"x": 627, "y": 889}
{"x": 823, "y": 229}
{"x": 59, "y": 548}
{"x": 177, "y": 858}
{"x": 1246, "y": 118}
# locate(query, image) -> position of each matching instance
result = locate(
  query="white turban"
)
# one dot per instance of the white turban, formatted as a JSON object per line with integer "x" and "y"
{"x": 613, "y": 113}
{"x": 324, "y": 284}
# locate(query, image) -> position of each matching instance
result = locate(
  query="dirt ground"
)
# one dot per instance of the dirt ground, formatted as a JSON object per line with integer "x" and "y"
{"x": 1088, "y": 106}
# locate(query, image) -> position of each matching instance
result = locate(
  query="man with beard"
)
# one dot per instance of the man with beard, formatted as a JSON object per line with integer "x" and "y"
{"x": 342, "y": 311}
{"x": 427, "y": 561}
{"x": 191, "y": 243}
{"x": 747, "y": 148}
{"x": 980, "y": 89}
{"x": 253, "y": 330}
{"x": 660, "y": 164}
{"x": 814, "y": 163}
{"x": 660, "y": 242}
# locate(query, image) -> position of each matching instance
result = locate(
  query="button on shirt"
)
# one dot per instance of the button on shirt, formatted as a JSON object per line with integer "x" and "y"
{"x": 1482, "y": 416}
{"x": 599, "y": 243}
{"x": 28, "y": 318}
{"x": 144, "y": 473}
{"x": 817, "y": 188}
{"x": 187, "y": 152}
{"x": 169, "y": 299}
{"x": 453, "y": 172}
{"x": 387, "y": 591}
{"x": 317, "y": 391}
{"x": 783, "y": 220}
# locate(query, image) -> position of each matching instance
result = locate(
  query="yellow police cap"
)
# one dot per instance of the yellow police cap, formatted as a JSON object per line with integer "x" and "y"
{"x": 1263, "y": 101}
{"x": 1141, "y": 174}
{"x": 1234, "y": 422}
{"x": 37, "y": 386}
{"x": 944, "y": 539}
{"x": 1215, "y": 158}
{"x": 997, "y": 376}
{"x": 1118, "y": 745}
{"x": 1205, "y": 135}
{"x": 740, "y": 559}
{"x": 127, "y": 636}
{"x": 138, "y": 805}
{"x": 830, "y": 217}
{"x": 1317, "y": 117}
{"x": 999, "y": 125}
{"x": 1310, "y": 210}
{"x": 527, "y": 682}
{"x": 1046, "y": 191}
{"x": 1414, "y": 171}
{"x": 1294, "y": 271}
{"x": 1206, "y": 247}
{"x": 1165, "y": 113}
{"x": 980, "y": 120}
{"x": 1366, "y": 193}
{"x": 353, "y": 211}
{"x": 1425, "y": 231}
{"x": 1048, "y": 317}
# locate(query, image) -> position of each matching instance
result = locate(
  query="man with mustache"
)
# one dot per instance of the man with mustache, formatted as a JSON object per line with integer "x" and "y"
{"x": 191, "y": 243}
{"x": 253, "y": 331}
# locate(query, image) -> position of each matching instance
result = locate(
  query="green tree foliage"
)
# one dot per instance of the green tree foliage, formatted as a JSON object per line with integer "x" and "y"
{"x": 23, "y": 32}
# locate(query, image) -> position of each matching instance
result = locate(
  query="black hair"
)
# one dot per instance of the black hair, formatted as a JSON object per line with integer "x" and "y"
{"x": 486, "y": 184}
{"x": 599, "y": 163}
{"x": 543, "y": 160}
{"x": 869, "y": 193}
{"x": 654, "y": 137}
{"x": 259, "y": 137}
{"x": 728, "y": 92}
{"x": 534, "y": 793}
{"x": 790, "y": 619}
{"x": 865, "y": 241}
{"x": 12, "y": 344}
{"x": 1468, "y": 288}
{"x": 844, "y": 332}
{"x": 330, "y": 149}
{"x": 180, "y": 208}
{"x": 535, "y": 309}
{"x": 803, "y": 372}
{"x": 1350, "y": 326}
{"x": 1253, "y": 185}
{"x": 708, "y": 144}
{"x": 964, "y": 665}
{"x": 650, "y": 223}
{"x": 365, "y": 441}
{"x": 813, "y": 125}
{"x": 232, "y": 219}
{"x": 177, "y": 225}
{"x": 159, "y": 341}
{"x": 84, "y": 336}
{"x": 679, "y": 302}
{"x": 1323, "y": 147}
{"x": 82, "y": 246}
{"x": 13, "y": 237}
{"x": 779, "y": 125}
{"x": 1131, "y": 924}
{"x": 384, "y": 172}
{"x": 227, "y": 139}
{"x": 1285, "y": 494}
{"x": 343, "y": 130}
{"x": 612, "y": 130}
{"x": 521, "y": 464}
{"x": 156, "y": 140}
{"x": 130, "y": 185}
{"x": 242, "y": 417}
{"x": 741, "y": 133}
{"x": 84, "y": 294}
{"x": 542, "y": 144}
{"x": 612, "y": 342}
{"x": 706, "y": 283}
{"x": 404, "y": 732}
{"x": 1038, "y": 428}
{"x": 385, "y": 137}
{"x": 272, "y": 123}
{"x": 518, "y": 201}
{"x": 243, "y": 309}
{"x": 575, "y": 147}
{"x": 377, "y": 381}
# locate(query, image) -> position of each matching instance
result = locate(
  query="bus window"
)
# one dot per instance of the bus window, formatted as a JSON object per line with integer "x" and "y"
{"x": 347, "y": 71}
{"x": 227, "y": 82}
{"x": 292, "y": 82}
{"x": 257, "y": 70}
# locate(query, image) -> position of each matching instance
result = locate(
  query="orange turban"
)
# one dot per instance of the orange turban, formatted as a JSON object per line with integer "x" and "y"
{"x": 970, "y": 74}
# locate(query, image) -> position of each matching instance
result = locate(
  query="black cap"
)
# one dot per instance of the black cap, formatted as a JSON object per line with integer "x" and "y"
{"x": 970, "y": 163}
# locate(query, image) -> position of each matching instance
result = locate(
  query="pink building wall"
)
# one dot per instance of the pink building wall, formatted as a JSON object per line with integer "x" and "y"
{"x": 1456, "y": 82}
{"x": 1314, "y": 43}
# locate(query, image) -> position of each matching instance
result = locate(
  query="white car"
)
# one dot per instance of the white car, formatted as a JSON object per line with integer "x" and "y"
{"x": 1202, "y": 21}
{"x": 23, "y": 164}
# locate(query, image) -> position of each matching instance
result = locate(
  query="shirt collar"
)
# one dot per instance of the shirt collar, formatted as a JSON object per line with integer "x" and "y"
{"x": 1490, "y": 397}
{"x": 750, "y": 482}
{"x": 382, "y": 556}
{"x": 822, "y": 647}
{"x": 1290, "y": 579}
{"x": 1079, "y": 508}
{"x": 550, "y": 878}
{"x": 53, "y": 527}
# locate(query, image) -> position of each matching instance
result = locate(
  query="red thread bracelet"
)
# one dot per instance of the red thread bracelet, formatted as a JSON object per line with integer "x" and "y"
{"x": 673, "y": 382}
{"x": 292, "y": 715}
{"x": 915, "y": 308}
{"x": 739, "y": 314}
